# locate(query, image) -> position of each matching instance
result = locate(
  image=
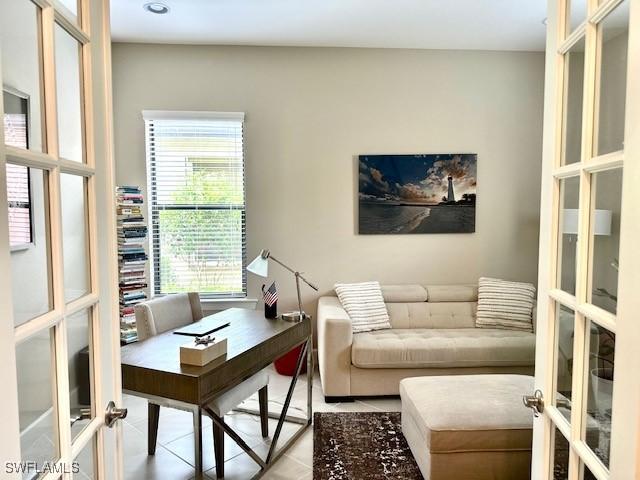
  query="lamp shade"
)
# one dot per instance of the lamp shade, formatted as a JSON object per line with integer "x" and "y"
{"x": 602, "y": 222}
{"x": 260, "y": 265}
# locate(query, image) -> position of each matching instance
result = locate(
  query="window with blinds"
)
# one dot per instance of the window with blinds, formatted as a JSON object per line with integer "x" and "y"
{"x": 18, "y": 196}
{"x": 195, "y": 167}
{"x": 18, "y": 184}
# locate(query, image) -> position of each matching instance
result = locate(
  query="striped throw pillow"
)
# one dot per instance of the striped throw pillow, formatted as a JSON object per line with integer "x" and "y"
{"x": 365, "y": 305}
{"x": 504, "y": 304}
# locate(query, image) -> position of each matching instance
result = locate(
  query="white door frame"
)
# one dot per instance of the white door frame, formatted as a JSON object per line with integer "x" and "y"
{"x": 91, "y": 30}
{"x": 625, "y": 440}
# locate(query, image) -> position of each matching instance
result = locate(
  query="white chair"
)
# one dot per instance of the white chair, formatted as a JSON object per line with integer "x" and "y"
{"x": 173, "y": 311}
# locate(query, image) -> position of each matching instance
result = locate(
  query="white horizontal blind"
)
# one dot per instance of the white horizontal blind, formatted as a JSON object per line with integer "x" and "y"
{"x": 18, "y": 194}
{"x": 19, "y": 205}
{"x": 197, "y": 204}
{"x": 15, "y": 130}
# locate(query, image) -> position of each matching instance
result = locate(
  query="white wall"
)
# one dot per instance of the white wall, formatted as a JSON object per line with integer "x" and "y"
{"x": 310, "y": 111}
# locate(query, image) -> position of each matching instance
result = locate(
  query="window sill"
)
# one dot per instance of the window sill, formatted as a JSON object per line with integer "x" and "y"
{"x": 21, "y": 248}
{"x": 216, "y": 304}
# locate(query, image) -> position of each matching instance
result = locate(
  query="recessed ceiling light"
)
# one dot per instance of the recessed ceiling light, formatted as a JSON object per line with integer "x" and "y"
{"x": 156, "y": 7}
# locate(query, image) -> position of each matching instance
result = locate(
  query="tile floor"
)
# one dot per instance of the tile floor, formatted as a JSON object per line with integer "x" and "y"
{"x": 174, "y": 452}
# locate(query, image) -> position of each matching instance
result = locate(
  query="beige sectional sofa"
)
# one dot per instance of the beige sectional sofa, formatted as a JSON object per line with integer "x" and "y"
{"x": 433, "y": 333}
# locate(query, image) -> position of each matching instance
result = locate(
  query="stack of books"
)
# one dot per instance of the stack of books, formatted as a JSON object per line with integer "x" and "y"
{"x": 132, "y": 257}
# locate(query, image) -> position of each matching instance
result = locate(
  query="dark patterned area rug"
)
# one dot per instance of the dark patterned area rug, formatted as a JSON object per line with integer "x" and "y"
{"x": 361, "y": 445}
{"x": 370, "y": 446}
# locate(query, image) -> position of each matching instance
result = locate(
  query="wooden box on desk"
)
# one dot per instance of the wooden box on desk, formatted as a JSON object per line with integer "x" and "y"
{"x": 200, "y": 355}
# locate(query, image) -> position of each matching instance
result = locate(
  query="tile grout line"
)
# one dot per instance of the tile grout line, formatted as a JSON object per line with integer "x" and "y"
{"x": 310, "y": 467}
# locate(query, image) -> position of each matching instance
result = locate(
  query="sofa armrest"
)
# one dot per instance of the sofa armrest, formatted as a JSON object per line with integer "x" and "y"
{"x": 334, "y": 347}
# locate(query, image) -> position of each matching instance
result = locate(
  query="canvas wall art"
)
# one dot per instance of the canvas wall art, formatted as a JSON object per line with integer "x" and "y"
{"x": 428, "y": 193}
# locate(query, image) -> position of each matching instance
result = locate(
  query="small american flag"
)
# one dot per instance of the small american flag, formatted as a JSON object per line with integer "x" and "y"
{"x": 270, "y": 296}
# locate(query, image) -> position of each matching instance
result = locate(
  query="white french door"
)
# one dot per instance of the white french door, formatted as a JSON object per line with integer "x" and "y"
{"x": 59, "y": 342}
{"x": 588, "y": 336}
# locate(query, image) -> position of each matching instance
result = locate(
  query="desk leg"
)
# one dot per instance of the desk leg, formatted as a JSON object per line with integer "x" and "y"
{"x": 218, "y": 448}
{"x": 310, "y": 367}
{"x": 153, "y": 416}
{"x": 234, "y": 436}
{"x": 197, "y": 439}
{"x": 285, "y": 407}
{"x": 263, "y": 396}
{"x": 306, "y": 355}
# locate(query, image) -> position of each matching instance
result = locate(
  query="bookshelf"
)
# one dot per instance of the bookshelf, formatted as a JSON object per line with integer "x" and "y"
{"x": 132, "y": 257}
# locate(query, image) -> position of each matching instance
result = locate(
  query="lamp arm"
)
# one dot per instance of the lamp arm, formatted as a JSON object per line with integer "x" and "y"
{"x": 298, "y": 292}
{"x": 308, "y": 282}
{"x": 297, "y": 274}
{"x": 271, "y": 257}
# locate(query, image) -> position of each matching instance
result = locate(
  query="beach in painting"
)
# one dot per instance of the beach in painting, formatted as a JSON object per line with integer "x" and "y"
{"x": 380, "y": 218}
{"x": 427, "y": 193}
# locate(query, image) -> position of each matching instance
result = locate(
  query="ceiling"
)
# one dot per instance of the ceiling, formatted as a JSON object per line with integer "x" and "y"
{"x": 432, "y": 24}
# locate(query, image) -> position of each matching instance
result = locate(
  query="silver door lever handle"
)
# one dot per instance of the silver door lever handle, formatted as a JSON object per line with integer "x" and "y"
{"x": 535, "y": 402}
{"x": 112, "y": 414}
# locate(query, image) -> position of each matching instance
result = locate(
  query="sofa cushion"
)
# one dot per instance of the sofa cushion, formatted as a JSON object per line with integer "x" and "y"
{"x": 432, "y": 315}
{"x": 442, "y": 348}
{"x": 451, "y": 413}
{"x": 403, "y": 293}
{"x": 452, "y": 293}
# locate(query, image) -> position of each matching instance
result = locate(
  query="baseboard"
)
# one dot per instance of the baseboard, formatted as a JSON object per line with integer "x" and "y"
{"x": 329, "y": 399}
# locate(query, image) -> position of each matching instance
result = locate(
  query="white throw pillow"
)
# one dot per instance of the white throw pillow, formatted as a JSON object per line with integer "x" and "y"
{"x": 504, "y": 304}
{"x": 365, "y": 305}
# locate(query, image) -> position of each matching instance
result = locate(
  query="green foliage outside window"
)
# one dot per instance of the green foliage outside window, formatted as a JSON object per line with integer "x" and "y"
{"x": 201, "y": 249}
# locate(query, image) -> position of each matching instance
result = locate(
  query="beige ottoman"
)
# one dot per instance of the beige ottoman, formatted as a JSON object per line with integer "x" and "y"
{"x": 468, "y": 427}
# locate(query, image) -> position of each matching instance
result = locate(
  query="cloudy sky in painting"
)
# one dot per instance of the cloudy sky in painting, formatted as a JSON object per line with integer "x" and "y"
{"x": 415, "y": 178}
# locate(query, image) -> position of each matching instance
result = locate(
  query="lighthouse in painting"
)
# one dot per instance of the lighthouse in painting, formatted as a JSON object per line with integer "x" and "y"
{"x": 450, "y": 196}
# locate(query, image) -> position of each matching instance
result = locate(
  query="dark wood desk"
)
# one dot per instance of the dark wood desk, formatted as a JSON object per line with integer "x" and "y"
{"x": 152, "y": 368}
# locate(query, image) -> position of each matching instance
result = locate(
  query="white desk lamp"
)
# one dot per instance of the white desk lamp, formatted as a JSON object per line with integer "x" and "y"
{"x": 260, "y": 267}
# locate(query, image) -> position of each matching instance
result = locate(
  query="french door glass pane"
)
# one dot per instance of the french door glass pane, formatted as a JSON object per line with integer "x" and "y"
{"x": 30, "y": 261}
{"x": 568, "y": 233}
{"x": 586, "y": 473}
{"x": 36, "y": 380}
{"x": 573, "y": 93}
{"x": 560, "y": 456}
{"x": 602, "y": 344}
{"x": 85, "y": 462}
{"x": 564, "y": 359}
{"x": 21, "y": 74}
{"x": 80, "y": 362}
{"x": 606, "y": 238}
{"x": 74, "y": 236}
{"x": 68, "y": 86}
{"x": 70, "y": 5}
{"x": 614, "y": 30}
{"x": 576, "y": 14}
